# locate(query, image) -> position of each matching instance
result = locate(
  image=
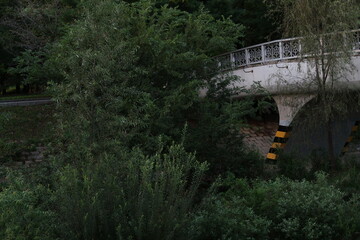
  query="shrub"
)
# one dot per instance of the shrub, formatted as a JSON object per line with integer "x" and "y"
{"x": 348, "y": 177}
{"x": 25, "y": 212}
{"x": 294, "y": 167}
{"x": 222, "y": 218}
{"x": 135, "y": 197}
{"x": 280, "y": 209}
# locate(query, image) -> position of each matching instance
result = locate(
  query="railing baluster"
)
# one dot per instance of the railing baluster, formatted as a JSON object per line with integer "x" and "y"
{"x": 287, "y": 49}
{"x": 232, "y": 60}
{"x": 247, "y": 56}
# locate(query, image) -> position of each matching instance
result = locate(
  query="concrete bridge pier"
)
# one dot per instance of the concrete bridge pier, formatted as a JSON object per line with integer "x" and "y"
{"x": 288, "y": 106}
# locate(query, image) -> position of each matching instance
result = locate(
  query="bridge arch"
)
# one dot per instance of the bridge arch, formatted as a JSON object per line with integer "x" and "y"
{"x": 280, "y": 68}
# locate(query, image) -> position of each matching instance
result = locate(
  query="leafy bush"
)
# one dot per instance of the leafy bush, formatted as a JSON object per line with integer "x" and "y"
{"x": 26, "y": 212}
{"x": 135, "y": 197}
{"x": 348, "y": 177}
{"x": 294, "y": 167}
{"x": 223, "y": 219}
{"x": 280, "y": 209}
{"x": 300, "y": 167}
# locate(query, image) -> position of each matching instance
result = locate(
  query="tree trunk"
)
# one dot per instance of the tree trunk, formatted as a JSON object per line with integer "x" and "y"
{"x": 18, "y": 89}
{"x": 26, "y": 89}
{"x": 331, "y": 152}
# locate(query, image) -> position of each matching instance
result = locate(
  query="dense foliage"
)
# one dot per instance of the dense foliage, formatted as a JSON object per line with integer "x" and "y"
{"x": 30, "y": 27}
{"x": 139, "y": 197}
{"x": 89, "y": 204}
{"x": 136, "y": 153}
{"x": 128, "y": 90}
{"x": 278, "y": 209}
{"x": 133, "y": 79}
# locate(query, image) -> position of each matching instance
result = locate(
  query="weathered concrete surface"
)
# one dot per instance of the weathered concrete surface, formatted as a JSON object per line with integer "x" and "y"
{"x": 290, "y": 77}
{"x": 306, "y": 139}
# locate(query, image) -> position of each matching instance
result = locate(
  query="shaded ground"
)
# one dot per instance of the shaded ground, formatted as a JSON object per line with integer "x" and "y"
{"x": 24, "y": 129}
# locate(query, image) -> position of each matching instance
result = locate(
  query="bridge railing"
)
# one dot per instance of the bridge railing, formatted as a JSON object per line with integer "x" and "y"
{"x": 278, "y": 50}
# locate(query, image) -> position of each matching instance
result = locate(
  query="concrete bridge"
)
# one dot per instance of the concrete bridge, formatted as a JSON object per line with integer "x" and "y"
{"x": 287, "y": 75}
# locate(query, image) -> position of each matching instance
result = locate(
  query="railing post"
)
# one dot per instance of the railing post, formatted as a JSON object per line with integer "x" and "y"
{"x": 247, "y": 56}
{"x": 343, "y": 34}
{"x": 232, "y": 60}
{"x": 354, "y": 38}
{"x": 263, "y": 53}
{"x": 321, "y": 45}
{"x": 281, "y": 54}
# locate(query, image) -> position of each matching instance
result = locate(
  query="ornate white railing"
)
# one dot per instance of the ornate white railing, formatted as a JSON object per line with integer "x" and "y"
{"x": 278, "y": 50}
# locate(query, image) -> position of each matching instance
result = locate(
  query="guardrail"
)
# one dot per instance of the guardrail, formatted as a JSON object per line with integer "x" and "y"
{"x": 278, "y": 50}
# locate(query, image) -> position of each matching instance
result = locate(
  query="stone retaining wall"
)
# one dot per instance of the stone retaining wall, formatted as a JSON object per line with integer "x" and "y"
{"x": 259, "y": 135}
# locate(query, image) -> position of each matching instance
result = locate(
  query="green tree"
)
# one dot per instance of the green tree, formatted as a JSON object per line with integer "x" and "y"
{"x": 5, "y": 55}
{"x": 252, "y": 14}
{"x": 131, "y": 79}
{"x": 28, "y": 28}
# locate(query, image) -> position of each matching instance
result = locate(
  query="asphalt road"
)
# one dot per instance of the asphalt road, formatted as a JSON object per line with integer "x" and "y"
{"x": 25, "y": 102}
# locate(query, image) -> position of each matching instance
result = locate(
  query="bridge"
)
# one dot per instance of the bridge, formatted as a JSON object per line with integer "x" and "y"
{"x": 285, "y": 73}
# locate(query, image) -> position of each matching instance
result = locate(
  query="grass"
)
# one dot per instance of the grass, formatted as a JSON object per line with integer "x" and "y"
{"x": 20, "y": 97}
{"x": 27, "y": 123}
{"x": 22, "y": 128}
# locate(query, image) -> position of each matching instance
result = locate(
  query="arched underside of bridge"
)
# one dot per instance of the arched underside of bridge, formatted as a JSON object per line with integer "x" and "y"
{"x": 304, "y": 141}
{"x": 299, "y": 136}
{"x": 309, "y": 136}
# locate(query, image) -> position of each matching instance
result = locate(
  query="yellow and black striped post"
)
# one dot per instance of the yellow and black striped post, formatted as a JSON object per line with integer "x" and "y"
{"x": 354, "y": 129}
{"x": 281, "y": 137}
